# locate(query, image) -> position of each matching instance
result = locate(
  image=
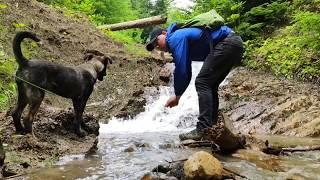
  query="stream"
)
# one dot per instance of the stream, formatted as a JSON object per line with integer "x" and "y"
{"x": 128, "y": 149}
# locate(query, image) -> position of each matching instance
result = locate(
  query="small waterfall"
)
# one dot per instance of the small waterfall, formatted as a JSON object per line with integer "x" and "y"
{"x": 157, "y": 118}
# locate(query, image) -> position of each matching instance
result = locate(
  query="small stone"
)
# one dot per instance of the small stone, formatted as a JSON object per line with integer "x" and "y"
{"x": 130, "y": 149}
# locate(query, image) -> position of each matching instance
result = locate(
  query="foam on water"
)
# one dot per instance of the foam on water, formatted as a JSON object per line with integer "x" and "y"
{"x": 157, "y": 118}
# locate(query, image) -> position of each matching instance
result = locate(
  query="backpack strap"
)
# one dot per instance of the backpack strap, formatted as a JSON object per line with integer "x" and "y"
{"x": 208, "y": 36}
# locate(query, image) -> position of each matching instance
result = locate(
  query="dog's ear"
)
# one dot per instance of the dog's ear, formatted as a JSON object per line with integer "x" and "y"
{"x": 88, "y": 57}
{"x": 94, "y": 52}
{"x": 107, "y": 60}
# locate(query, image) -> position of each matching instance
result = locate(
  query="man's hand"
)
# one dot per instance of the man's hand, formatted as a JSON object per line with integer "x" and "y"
{"x": 172, "y": 101}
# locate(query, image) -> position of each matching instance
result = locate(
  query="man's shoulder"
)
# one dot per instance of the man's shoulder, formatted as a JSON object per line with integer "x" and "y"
{"x": 185, "y": 33}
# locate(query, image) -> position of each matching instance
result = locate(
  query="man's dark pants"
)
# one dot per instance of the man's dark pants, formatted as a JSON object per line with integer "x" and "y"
{"x": 216, "y": 67}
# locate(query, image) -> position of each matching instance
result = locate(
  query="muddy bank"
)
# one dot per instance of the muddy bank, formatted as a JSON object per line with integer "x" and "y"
{"x": 53, "y": 136}
{"x": 259, "y": 103}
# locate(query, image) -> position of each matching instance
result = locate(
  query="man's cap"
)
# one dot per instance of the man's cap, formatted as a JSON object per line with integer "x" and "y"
{"x": 152, "y": 39}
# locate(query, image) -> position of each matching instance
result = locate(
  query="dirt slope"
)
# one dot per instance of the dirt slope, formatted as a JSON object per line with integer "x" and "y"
{"x": 64, "y": 40}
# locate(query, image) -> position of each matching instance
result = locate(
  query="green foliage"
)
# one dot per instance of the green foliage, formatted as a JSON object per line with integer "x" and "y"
{"x": 111, "y": 11}
{"x": 7, "y": 85}
{"x": 263, "y": 19}
{"x": 52, "y": 160}
{"x": 307, "y": 5}
{"x": 252, "y": 60}
{"x": 3, "y": 6}
{"x": 294, "y": 52}
{"x": 175, "y": 15}
{"x": 8, "y": 66}
{"x": 307, "y": 25}
{"x": 129, "y": 38}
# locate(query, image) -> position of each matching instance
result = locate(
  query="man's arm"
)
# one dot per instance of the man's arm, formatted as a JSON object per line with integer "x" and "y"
{"x": 182, "y": 71}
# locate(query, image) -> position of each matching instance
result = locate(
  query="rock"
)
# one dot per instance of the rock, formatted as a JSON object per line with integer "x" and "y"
{"x": 165, "y": 146}
{"x": 131, "y": 148}
{"x": 162, "y": 168}
{"x": 2, "y": 154}
{"x": 141, "y": 144}
{"x": 2, "y": 158}
{"x": 157, "y": 176}
{"x": 165, "y": 72}
{"x": 137, "y": 93}
{"x": 177, "y": 170}
{"x": 202, "y": 165}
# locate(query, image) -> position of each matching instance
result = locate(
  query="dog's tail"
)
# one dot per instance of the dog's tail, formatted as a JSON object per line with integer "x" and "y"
{"x": 22, "y": 61}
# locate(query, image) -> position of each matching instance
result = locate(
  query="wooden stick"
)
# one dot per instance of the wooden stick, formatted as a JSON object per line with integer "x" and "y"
{"x": 235, "y": 173}
{"x": 15, "y": 176}
{"x": 136, "y": 23}
{"x": 174, "y": 161}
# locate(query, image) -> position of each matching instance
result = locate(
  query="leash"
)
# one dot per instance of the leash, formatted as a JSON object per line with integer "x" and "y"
{"x": 34, "y": 85}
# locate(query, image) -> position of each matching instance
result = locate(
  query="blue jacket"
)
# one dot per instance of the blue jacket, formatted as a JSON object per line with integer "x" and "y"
{"x": 186, "y": 45}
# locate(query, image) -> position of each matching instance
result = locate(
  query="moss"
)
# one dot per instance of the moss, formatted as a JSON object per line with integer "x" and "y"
{"x": 49, "y": 162}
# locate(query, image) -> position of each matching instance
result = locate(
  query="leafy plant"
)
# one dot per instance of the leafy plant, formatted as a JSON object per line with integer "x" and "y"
{"x": 294, "y": 52}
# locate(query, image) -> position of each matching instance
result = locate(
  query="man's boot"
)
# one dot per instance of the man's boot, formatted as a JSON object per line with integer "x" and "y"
{"x": 194, "y": 135}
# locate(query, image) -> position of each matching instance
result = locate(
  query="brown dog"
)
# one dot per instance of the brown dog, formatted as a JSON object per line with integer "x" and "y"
{"x": 35, "y": 76}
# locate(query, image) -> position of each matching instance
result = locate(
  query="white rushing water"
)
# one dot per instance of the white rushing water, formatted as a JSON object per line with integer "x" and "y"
{"x": 156, "y": 117}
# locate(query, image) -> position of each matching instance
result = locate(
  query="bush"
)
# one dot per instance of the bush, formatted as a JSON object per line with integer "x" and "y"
{"x": 294, "y": 52}
{"x": 307, "y": 5}
{"x": 263, "y": 19}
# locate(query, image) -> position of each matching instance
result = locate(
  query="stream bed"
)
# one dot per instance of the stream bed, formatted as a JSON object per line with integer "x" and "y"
{"x": 128, "y": 149}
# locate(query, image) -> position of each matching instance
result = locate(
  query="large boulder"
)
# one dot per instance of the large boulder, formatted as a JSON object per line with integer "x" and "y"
{"x": 202, "y": 165}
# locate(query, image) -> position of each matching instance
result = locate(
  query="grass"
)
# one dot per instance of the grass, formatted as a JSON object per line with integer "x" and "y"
{"x": 7, "y": 85}
{"x": 130, "y": 43}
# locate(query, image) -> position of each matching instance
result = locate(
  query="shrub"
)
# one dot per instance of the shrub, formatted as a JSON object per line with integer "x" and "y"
{"x": 294, "y": 52}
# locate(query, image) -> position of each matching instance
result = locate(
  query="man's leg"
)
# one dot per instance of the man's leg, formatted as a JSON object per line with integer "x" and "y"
{"x": 215, "y": 68}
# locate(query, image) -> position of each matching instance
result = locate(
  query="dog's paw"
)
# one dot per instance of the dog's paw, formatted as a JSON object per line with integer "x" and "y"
{"x": 28, "y": 130}
{"x": 81, "y": 133}
{"x": 20, "y": 132}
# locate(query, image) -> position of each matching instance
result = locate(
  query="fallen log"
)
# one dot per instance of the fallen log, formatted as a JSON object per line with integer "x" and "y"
{"x": 287, "y": 141}
{"x": 277, "y": 151}
{"x": 140, "y": 23}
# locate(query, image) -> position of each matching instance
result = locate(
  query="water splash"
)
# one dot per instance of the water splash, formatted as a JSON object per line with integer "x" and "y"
{"x": 156, "y": 117}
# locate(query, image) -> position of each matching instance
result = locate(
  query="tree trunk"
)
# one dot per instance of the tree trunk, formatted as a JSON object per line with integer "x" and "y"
{"x": 140, "y": 23}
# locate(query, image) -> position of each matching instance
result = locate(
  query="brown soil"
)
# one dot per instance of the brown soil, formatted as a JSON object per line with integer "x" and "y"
{"x": 53, "y": 136}
{"x": 64, "y": 40}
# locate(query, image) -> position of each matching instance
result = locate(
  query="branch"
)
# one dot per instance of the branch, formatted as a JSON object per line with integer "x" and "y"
{"x": 140, "y": 23}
